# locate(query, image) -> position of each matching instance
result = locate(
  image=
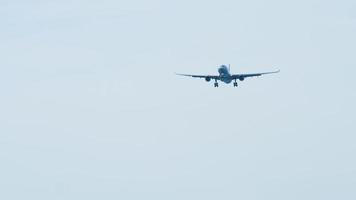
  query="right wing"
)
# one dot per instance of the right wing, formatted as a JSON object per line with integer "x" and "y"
{"x": 200, "y": 76}
{"x": 237, "y": 76}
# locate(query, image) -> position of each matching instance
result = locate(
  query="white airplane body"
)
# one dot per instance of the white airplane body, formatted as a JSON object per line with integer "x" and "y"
{"x": 226, "y": 77}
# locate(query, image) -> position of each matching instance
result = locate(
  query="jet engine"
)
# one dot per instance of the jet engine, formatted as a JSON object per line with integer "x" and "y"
{"x": 208, "y": 79}
{"x": 241, "y": 78}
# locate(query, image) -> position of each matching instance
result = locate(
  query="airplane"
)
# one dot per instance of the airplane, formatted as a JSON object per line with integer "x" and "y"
{"x": 226, "y": 77}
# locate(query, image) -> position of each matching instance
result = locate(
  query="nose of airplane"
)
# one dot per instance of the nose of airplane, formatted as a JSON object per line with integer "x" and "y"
{"x": 222, "y": 69}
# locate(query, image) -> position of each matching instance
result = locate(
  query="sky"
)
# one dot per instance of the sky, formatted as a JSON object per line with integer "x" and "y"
{"x": 90, "y": 107}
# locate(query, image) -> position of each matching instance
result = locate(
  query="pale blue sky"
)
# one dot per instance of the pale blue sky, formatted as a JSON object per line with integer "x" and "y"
{"x": 91, "y": 108}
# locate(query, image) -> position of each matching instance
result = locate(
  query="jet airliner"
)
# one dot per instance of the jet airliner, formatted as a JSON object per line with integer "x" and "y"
{"x": 226, "y": 77}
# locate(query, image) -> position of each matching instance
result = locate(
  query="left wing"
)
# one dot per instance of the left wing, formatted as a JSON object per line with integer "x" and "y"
{"x": 242, "y": 76}
{"x": 200, "y": 76}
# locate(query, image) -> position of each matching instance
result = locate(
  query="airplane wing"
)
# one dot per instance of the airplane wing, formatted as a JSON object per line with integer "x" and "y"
{"x": 243, "y": 76}
{"x": 200, "y": 76}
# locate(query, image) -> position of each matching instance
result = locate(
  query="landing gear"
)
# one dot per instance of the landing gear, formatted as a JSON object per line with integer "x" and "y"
{"x": 216, "y": 84}
{"x": 235, "y": 83}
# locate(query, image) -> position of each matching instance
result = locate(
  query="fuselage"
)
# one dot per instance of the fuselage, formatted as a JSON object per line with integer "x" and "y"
{"x": 224, "y": 74}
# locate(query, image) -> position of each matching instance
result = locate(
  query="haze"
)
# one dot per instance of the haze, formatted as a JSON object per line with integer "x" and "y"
{"x": 91, "y": 108}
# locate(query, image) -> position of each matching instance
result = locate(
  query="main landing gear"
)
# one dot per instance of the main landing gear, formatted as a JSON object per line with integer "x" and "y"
{"x": 216, "y": 84}
{"x": 235, "y": 83}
